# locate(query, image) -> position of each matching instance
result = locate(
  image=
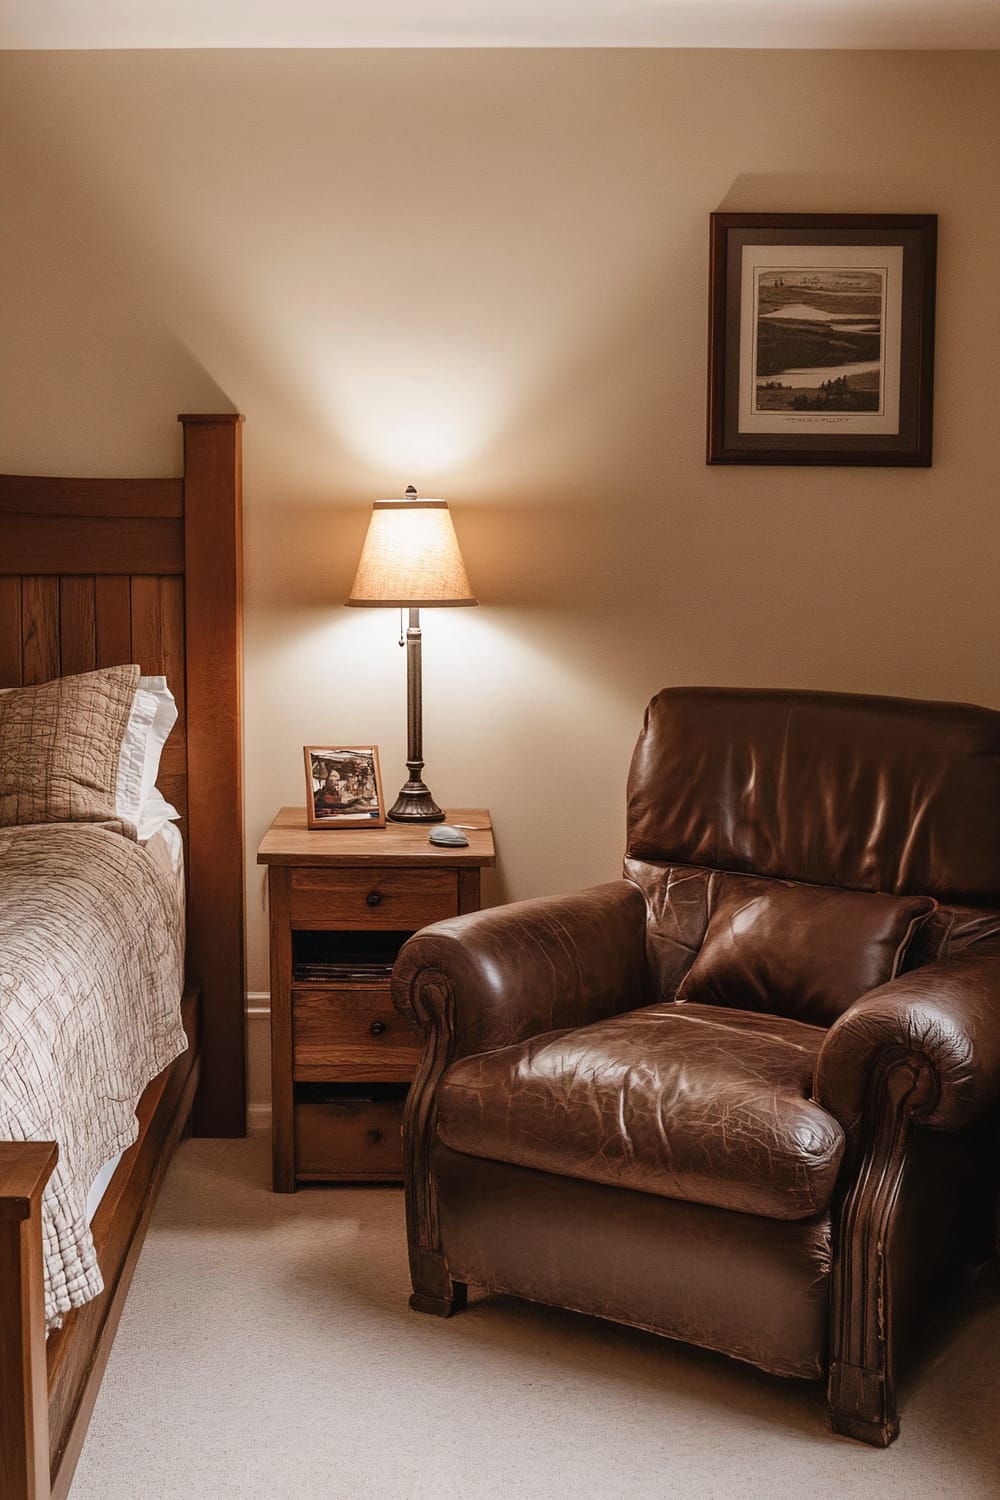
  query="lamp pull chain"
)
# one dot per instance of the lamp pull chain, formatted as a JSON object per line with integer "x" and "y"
{"x": 409, "y": 493}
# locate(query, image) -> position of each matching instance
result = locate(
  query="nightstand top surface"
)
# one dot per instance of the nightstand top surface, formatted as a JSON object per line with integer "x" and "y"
{"x": 289, "y": 842}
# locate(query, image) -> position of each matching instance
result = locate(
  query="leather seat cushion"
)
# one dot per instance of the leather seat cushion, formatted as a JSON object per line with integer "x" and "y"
{"x": 690, "y": 1101}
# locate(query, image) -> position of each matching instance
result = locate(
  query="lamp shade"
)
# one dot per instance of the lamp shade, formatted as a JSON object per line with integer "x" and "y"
{"x": 411, "y": 557}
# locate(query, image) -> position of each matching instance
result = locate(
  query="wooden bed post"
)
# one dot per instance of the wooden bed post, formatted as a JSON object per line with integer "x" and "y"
{"x": 25, "y": 1168}
{"x": 213, "y": 623}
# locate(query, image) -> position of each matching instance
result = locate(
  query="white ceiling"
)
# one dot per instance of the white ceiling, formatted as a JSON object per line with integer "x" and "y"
{"x": 500, "y": 23}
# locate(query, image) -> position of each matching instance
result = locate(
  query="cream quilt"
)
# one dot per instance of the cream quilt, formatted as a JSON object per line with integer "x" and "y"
{"x": 91, "y": 974}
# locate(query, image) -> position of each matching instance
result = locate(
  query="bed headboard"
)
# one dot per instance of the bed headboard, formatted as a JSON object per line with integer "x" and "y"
{"x": 94, "y": 572}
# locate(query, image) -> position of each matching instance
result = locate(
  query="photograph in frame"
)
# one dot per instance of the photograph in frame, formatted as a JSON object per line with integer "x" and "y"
{"x": 821, "y": 338}
{"x": 343, "y": 787}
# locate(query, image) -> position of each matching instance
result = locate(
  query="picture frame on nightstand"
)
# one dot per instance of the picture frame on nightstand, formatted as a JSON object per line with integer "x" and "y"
{"x": 343, "y": 787}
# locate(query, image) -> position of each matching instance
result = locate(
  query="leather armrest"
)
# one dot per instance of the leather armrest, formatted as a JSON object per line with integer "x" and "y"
{"x": 496, "y": 977}
{"x": 945, "y": 1016}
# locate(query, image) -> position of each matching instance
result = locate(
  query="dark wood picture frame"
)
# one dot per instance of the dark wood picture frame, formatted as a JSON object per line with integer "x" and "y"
{"x": 362, "y": 818}
{"x": 880, "y": 269}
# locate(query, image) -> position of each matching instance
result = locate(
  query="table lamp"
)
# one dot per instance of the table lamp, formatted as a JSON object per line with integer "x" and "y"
{"x": 411, "y": 560}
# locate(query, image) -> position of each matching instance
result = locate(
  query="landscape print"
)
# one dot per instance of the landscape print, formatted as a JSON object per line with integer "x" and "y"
{"x": 819, "y": 339}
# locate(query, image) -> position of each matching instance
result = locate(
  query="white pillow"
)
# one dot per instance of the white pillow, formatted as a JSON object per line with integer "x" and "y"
{"x": 155, "y": 814}
{"x": 154, "y": 714}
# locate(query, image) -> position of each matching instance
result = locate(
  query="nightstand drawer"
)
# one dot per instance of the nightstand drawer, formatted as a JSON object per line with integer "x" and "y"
{"x": 360, "y": 898}
{"x": 348, "y": 1033}
{"x": 350, "y": 1137}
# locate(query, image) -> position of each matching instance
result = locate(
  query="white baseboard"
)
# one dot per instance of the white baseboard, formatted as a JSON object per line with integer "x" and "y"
{"x": 258, "y": 1059}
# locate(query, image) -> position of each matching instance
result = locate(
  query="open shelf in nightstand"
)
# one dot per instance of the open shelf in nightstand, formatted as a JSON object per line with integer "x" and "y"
{"x": 325, "y": 957}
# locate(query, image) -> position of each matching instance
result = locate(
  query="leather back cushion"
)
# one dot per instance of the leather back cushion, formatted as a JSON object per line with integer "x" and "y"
{"x": 875, "y": 794}
{"x": 805, "y": 952}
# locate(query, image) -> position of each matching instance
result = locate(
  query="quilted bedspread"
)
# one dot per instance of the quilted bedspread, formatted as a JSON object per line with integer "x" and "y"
{"x": 91, "y": 974}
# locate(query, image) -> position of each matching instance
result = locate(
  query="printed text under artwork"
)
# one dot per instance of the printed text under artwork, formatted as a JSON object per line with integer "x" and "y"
{"x": 819, "y": 340}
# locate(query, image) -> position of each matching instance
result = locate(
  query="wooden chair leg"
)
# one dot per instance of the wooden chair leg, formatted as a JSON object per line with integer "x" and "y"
{"x": 863, "y": 1405}
{"x": 433, "y": 1289}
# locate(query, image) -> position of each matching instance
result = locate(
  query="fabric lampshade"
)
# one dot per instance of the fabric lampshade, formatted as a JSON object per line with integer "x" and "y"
{"x": 411, "y": 557}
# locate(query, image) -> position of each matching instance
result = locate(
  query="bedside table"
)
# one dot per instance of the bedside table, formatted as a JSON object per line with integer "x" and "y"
{"x": 342, "y": 904}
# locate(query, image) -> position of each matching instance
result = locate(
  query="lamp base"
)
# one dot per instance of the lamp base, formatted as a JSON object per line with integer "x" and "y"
{"x": 415, "y": 805}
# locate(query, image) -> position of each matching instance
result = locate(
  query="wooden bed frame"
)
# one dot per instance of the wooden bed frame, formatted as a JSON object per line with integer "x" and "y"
{"x": 94, "y": 572}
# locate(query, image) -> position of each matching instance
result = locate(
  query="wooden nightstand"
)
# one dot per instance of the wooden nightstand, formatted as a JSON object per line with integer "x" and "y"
{"x": 342, "y": 903}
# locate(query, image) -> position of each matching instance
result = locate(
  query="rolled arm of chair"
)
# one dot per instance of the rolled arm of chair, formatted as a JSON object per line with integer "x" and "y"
{"x": 496, "y": 977}
{"x": 944, "y": 1018}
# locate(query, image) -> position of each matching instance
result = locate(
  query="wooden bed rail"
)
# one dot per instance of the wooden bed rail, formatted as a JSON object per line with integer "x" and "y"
{"x": 25, "y": 1168}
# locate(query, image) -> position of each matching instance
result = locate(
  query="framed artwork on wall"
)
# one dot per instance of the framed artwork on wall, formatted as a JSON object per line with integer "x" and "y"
{"x": 821, "y": 338}
{"x": 344, "y": 787}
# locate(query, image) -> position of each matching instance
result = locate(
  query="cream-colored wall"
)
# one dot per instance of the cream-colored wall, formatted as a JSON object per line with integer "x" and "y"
{"x": 485, "y": 274}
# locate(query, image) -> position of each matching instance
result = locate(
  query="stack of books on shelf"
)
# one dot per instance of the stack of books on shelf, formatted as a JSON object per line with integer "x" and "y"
{"x": 314, "y": 972}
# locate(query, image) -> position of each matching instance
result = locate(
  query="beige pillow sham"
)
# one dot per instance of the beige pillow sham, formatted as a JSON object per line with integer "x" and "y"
{"x": 59, "y": 748}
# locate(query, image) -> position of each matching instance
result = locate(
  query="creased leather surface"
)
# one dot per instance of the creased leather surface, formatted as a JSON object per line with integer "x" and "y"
{"x": 756, "y": 1289}
{"x": 803, "y": 951}
{"x": 948, "y": 1013}
{"x": 679, "y": 901}
{"x": 687, "y": 1102}
{"x": 884, "y": 794}
{"x": 951, "y": 929}
{"x": 533, "y": 966}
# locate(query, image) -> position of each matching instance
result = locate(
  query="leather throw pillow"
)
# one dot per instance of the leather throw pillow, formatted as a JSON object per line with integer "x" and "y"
{"x": 802, "y": 951}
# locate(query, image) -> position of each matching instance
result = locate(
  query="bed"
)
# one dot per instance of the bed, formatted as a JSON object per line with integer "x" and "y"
{"x": 93, "y": 573}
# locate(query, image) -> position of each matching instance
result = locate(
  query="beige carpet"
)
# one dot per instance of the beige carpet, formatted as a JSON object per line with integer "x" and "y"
{"x": 267, "y": 1352}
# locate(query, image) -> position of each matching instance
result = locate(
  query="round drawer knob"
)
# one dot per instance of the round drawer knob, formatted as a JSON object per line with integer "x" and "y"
{"x": 374, "y": 1135}
{"x": 377, "y": 1028}
{"x": 374, "y": 898}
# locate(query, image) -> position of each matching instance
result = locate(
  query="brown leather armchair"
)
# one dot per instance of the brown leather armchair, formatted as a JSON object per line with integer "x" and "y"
{"x": 742, "y": 1097}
